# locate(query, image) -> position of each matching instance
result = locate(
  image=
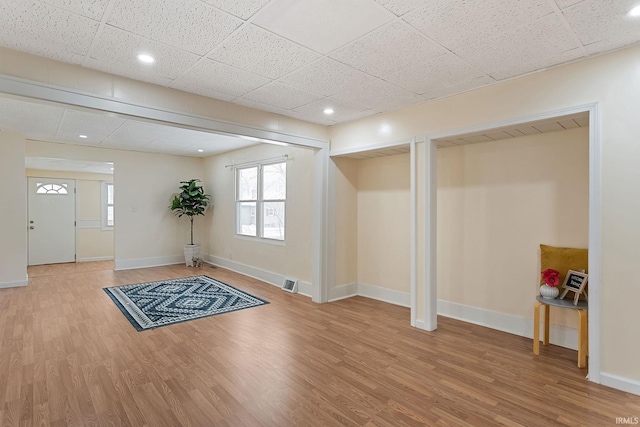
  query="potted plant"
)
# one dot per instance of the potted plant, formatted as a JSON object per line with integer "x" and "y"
{"x": 191, "y": 201}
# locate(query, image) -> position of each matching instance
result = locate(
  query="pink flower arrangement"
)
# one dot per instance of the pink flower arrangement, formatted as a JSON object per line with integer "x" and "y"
{"x": 551, "y": 277}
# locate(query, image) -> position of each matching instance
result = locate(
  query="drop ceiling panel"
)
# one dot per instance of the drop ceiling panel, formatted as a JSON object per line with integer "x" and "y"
{"x": 97, "y": 127}
{"x": 135, "y": 134}
{"x": 162, "y": 20}
{"x": 119, "y": 47}
{"x": 261, "y": 106}
{"x": 41, "y": 29}
{"x": 428, "y": 75}
{"x": 261, "y": 52}
{"x": 400, "y": 7}
{"x": 322, "y": 25}
{"x": 36, "y": 121}
{"x": 377, "y": 95}
{"x": 342, "y": 111}
{"x": 218, "y": 77}
{"x": 387, "y": 49}
{"x": 93, "y": 9}
{"x": 136, "y": 71}
{"x": 614, "y": 28}
{"x": 459, "y": 87}
{"x": 455, "y": 24}
{"x": 241, "y": 8}
{"x": 281, "y": 96}
{"x": 327, "y": 77}
{"x": 530, "y": 47}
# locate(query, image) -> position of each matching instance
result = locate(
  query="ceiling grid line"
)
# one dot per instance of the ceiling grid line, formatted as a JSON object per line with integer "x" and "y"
{"x": 103, "y": 23}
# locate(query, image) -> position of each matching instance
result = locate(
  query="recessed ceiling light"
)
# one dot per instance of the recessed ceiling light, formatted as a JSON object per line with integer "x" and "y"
{"x": 83, "y": 136}
{"x": 147, "y": 59}
{"x": 634, "y": 12}
{"x": 328, "y": 111}
{"x": 200, "y": 150}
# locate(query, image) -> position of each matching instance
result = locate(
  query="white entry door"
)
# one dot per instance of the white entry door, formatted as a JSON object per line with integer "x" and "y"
{"x": 52, "y": 221}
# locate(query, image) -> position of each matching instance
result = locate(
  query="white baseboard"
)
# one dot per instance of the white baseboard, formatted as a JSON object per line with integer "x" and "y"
{"x": 15, "y": 284}
{"x": 95, "y": 258}
{"x": 343, "y": 291}
{"x": 276, "y": 279}
{"x": 383, "y": 294}
{"x": 129, "y": 264}
{"x": 419, "y": 324}
{"x": 522, "y": 326}
{"x": 620, "y": 383}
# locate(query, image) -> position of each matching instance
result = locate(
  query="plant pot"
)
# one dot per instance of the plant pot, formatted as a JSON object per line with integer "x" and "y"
{"x": 191, "y": 252}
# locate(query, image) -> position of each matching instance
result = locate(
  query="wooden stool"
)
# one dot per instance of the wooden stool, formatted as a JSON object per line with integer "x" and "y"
{"x": 583, "y": 329}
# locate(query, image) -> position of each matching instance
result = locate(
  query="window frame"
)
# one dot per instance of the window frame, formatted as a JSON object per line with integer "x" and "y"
{"x": 104, "y": 203}
{"x": 259, "y": 202}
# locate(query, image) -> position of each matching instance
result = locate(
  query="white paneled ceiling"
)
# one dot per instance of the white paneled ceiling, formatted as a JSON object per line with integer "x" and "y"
{"x": 522, "y": 129}
{"x": 297, "y": 57}
{"x": 54, "y": 123}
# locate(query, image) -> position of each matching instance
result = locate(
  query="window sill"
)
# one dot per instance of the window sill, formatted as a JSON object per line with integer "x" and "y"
{"x": 272, "y": 242}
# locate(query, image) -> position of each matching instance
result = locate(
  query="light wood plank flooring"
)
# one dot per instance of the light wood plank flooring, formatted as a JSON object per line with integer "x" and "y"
{"x": 69, "y": 357}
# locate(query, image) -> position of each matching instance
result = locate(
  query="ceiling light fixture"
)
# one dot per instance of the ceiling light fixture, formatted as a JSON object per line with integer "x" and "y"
{"x": 328, "y": 111}
{"x": 83, "y": 136}
{"x": 635, "y": 12}
{"x": 147, "y": 59}
{"x": 200, "y": 150}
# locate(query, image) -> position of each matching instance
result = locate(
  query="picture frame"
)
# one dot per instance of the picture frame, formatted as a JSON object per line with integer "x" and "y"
{"x": 575, "y": 281}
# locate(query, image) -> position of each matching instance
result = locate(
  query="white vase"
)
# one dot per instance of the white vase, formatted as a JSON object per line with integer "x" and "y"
{"x": 191, "y": 252}
{"x": 549, "y": 292}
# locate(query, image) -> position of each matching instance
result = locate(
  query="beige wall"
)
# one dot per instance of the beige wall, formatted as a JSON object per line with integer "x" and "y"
{"x": 145, "y": 183}
{"x": 13, "y": 210}
{"x": 293, "y": 258}
{"x": 613, "y": 81}
{"x": 497, "y": 202}
{"x": 92, "y": 242}
{"x": 346, "y": 222}
{"x": 384, "y": 251}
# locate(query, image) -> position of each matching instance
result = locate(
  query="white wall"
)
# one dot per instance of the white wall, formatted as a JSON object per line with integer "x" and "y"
{"x": 613, "y": 81}
{"x": 146, "y": 233}
{"x": 13, "y": 211}
{"x": 289, "y": 258}
{"x": 497, "y": 202}
{"x": 92, "y": 242}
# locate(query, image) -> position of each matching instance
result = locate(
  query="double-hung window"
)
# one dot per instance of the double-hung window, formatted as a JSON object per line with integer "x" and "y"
{"x": 261, "y": 194}
{"x": 107, "y": 206}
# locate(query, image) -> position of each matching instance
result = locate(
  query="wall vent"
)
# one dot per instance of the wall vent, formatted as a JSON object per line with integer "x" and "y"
{"x": 290, "y": 285}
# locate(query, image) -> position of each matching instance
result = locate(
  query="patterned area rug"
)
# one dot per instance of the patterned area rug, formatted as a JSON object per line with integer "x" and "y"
{"x": 154, "y": 304}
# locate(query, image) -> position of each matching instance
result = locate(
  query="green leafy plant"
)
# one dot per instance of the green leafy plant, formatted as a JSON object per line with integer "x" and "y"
{"x": 190, "y": 202}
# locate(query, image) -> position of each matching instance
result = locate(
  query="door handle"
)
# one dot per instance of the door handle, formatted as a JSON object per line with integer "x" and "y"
{"x": 31, "y": 228}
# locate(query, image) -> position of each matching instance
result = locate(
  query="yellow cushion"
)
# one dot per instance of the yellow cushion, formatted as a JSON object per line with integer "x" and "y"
{"x": 563, "y": 260}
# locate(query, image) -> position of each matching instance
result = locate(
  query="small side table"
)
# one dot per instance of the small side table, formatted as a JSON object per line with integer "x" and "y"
{"x": 583, "y": 330}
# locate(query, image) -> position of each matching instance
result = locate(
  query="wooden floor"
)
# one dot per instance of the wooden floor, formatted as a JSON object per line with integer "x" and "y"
{"x": 70, "y": 358}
